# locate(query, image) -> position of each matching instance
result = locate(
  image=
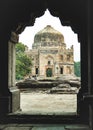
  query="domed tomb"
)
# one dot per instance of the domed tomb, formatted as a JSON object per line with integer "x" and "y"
{"x": 48, "y": 37}
{"x": 49, "y": 55}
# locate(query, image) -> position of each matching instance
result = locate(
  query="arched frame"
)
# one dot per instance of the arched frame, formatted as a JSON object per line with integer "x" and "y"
{"x": 71, "y": 13}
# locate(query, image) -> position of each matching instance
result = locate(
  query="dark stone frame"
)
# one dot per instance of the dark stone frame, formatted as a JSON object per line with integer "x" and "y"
{"x": 81, "y": 22}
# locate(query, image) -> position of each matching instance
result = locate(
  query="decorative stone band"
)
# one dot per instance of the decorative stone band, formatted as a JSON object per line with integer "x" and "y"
{"x": 49, "y": 51}
{"x": 14, "y": 37}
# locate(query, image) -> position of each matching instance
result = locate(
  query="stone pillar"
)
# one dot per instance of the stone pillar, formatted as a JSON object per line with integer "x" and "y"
{"x": 11, "y": 64}
{"x": 83, "y": 108}
{"x": 88, "y": 69}
{"x": 5, "y": 95}
{"x": 15, "y": 94}
{"x": 90, "y": 60}
{"x": 9, "y": 94}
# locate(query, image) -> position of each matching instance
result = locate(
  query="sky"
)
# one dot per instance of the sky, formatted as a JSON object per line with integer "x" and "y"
{"x": 70, "y": 38}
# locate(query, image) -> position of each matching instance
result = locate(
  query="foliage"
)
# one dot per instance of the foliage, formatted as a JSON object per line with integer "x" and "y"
{"x": 23, "y": 62}
{"x": 20, "y": 47}
{"x": 77, "y": 69}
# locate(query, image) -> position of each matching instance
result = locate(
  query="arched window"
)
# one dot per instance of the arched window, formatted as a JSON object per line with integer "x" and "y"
{"x": 68, "y": 57}
{"x": 49, "y": 62}
{"x": 36, "y": 70}
{"x": 61, "y": 70}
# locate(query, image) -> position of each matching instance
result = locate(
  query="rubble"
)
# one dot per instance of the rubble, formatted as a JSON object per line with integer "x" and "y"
{"x": 65, "y": 84}
{"x": 63, "y": 89}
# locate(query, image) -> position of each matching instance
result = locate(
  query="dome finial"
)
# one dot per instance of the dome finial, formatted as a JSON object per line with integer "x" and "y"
{"x": 48, "y": 26}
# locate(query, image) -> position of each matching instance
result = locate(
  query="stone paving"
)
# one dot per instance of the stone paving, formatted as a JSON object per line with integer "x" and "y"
{"x": 43, "y": 103}
{"x": 43, "y": 127}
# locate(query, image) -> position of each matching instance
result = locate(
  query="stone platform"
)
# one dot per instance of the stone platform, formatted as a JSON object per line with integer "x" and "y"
{"x": 42, "y": 127}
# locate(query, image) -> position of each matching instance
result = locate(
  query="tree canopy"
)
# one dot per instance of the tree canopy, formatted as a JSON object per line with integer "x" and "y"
{"x": 23, "y": 62}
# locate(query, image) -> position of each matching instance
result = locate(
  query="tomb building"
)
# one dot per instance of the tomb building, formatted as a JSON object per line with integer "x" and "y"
{"x": 50, "y": 57}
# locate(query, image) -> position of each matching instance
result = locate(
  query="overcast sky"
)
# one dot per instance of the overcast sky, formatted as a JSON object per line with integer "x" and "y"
{"x": 27, "y": 37}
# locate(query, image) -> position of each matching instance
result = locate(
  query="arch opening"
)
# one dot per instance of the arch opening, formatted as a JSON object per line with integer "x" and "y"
{"x": 57, "y": 69}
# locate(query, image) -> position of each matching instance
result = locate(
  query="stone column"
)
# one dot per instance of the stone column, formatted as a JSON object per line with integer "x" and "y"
{"x": 90, "y": 61}
{"x": 83, "y": 108}
{"x": 11, "y": 64}
{"x": 5, "y": 95}
{"x": 87, "y": 67}
{"x": 15, "y": 95}
{"x": 9, "y": 94}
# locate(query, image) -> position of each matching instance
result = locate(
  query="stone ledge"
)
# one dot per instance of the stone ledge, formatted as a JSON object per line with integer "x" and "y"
{"x": 15, "y": 99}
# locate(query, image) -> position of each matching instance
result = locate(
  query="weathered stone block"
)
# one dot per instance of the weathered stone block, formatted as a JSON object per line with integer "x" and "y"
{"x": 15, "y": 99}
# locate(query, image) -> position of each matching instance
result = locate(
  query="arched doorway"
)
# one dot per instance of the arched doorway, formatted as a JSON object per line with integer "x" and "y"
{"x": 49, "y": 72}
{"x": 70, "y": 17}
{"x": 61, "y": 70}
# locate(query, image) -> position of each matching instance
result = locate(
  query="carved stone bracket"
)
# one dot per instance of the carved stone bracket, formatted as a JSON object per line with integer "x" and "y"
{"x": 14, "y": 37}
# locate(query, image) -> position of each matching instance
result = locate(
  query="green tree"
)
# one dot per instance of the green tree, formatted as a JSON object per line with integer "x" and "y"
{"x": 77, "y": 69}
{"x": 23, "y": 62}
{"x": 20, "y": 47}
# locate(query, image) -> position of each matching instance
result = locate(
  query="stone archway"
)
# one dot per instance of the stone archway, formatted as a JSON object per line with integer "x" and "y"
{"x": 49, "y": 72}
{"x": 72, "y": 13}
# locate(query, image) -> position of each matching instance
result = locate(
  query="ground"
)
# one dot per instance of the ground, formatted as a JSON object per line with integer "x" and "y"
{"x": 38, "y": 101}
